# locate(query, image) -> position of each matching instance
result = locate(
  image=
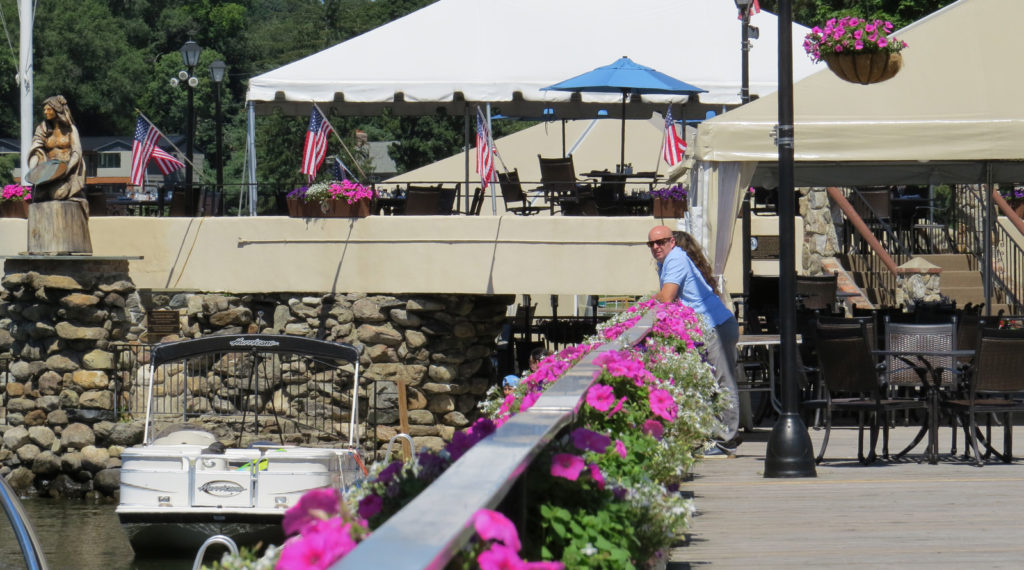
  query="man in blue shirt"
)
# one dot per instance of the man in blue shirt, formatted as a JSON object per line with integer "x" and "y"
{"x": 679, "y": 278}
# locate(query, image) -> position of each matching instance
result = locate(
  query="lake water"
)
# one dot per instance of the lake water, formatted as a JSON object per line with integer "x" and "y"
{"x": 78, "y": 535}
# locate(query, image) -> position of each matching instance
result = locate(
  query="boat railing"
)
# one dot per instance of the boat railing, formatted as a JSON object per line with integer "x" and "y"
{"x": 309, "y": 385}
{"x": 482, "y": 477}
{"x": 31, "y": 549}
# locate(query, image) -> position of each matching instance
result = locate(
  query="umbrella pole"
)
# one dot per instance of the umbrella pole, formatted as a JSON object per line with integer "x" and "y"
{"x": 622, "y": 146}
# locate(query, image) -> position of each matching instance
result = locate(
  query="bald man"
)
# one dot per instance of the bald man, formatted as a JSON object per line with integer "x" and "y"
{"x": 683, "y": 274}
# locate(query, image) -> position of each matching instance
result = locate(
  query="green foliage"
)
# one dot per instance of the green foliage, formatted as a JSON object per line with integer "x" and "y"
{"x": 900, "y": 12}
{"x": 8, "y": 162}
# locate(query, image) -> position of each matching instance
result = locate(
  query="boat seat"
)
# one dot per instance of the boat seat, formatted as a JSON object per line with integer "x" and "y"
{"x": 187, "y": 436}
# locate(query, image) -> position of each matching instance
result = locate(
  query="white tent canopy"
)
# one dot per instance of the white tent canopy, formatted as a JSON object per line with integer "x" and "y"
{"x": 951, "y": 111}
{"x": 951, "y": 115}
{"x": 503, "y": 52}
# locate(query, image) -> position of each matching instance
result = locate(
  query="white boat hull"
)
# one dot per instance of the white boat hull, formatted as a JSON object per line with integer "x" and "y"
{"x": 175, "y": 496}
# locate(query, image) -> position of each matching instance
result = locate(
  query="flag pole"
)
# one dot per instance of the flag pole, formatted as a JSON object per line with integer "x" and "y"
{"x": 202, "y": 171}
{"x": 494, "y": 152}
{"x": 337, "y": 136}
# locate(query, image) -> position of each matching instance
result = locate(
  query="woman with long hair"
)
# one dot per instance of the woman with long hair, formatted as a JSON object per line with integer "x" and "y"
{"x": 56, "y": 145}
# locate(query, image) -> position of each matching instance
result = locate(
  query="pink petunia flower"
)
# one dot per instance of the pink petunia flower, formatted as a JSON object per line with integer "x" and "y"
{"x": 528, "y": 401}
{"x": 654, "y": 429}
{"x": 587, "y": 440}
{"x": 318, "y": 547}
{"x": 315, "y": 505}
{"x": 595, "y": 473}
{"x": 620, "y": 448}
{"x": 567, "y": 466}
{"x": 618, "y": 407}
{"x": 499, "y": 557}
{"x": 600, "y": 397}
{"x": 492, "y": 525}
{"x": 662, "y": 404}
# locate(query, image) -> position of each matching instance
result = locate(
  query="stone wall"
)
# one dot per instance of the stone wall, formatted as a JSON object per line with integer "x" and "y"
{"x": 60, "y": 323}
{"x": 822, "y": 225}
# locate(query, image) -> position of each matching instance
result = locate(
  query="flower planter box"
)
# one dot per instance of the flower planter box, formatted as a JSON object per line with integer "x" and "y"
{"x": 669, "y": 208}
{"x": 14, "y": 209}
{"x": 298, "y": 208}
{"x": 864, "y": 68}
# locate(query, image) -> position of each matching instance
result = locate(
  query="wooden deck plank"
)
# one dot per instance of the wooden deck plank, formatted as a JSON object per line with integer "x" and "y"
{"x": 888, "y": 515}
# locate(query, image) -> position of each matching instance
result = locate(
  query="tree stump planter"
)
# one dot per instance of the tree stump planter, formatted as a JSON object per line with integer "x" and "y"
{"x": 14, "y": 209}
{"x": 58, "y": 227}
{"x": 864, "y": 68}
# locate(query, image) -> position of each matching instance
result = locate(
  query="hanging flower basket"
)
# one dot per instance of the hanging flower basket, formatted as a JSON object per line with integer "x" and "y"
{"x": 856, "y": 49}
{"x": 864, "y": 68}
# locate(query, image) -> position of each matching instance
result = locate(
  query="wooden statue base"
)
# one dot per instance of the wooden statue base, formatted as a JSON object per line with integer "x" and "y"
{"x": 58, "y": 227}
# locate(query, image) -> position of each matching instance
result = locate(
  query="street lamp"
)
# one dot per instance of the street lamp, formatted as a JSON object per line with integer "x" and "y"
{"x": 190, "y": 57}
{"x": 747, "y": 32}
{"x": 217, "y": 69}
{"x": 789, "y": 452}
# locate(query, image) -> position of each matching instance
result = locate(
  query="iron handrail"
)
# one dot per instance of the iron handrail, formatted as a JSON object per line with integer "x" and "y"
{"x": 480, "y": 478}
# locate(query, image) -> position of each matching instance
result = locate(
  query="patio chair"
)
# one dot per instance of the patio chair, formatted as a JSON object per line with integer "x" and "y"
{"x": 994, "y": 387}
{"x": 427, "y": 200}
{"x": 817, "y": 291}
{"x": 560, "y": 185}
{"x": 852, "y": 381}
{"x": 512, "y": 194}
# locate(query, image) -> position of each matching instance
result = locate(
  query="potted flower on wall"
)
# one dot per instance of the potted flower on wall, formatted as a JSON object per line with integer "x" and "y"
{"x": 669, "y": 202}
{"x": 857, "y": 50}
{"x": 333, "y": 199}
{"x": 14, "y": 201}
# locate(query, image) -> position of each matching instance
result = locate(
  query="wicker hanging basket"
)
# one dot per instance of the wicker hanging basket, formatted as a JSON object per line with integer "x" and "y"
{"x": 864, "y": 68}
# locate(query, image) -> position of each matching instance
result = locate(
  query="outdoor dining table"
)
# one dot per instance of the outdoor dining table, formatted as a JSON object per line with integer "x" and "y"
{"x": 771, "y": 343}
{"x": 931, "y": 383}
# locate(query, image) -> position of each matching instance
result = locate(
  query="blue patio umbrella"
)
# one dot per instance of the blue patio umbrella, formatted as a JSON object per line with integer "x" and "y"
{"x": 627, "y": 77}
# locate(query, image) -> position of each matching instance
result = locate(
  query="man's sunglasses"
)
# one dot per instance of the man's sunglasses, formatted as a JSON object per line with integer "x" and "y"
{"x": 658, "y": 242}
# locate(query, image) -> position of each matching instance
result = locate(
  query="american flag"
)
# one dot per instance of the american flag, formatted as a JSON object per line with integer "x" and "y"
{"x": 146, "y": 136}
{"x": 315, "y": 148}
{"x": 484, "y": 150}
{"x": 673, "y": 148}
{"x": 165, "y": 161}
{"x": 754, "y": 9}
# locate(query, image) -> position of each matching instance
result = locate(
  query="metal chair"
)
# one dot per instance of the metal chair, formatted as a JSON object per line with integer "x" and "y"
{"x": 560, "y": 185}
{"x": 512, "y": 194}
{"x": 817, "y": 291}
{"x": 994, "y": 387}
{"x": 429, "y": 200}
{"x": 852, "y": 381}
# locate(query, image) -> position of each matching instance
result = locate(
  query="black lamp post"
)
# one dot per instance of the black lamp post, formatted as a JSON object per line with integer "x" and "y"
{"x": 747, "y": 32}
{"x": 217, "y": 69}
{"x": 789, "y": 452}
{"x": 190, "y": 56}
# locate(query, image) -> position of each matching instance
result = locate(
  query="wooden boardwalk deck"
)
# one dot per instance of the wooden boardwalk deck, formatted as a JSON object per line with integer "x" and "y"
{"x": 887, "y": 515}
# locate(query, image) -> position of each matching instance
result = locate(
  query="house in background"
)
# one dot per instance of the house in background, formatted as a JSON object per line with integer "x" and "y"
{"x": 108, "y": 163}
